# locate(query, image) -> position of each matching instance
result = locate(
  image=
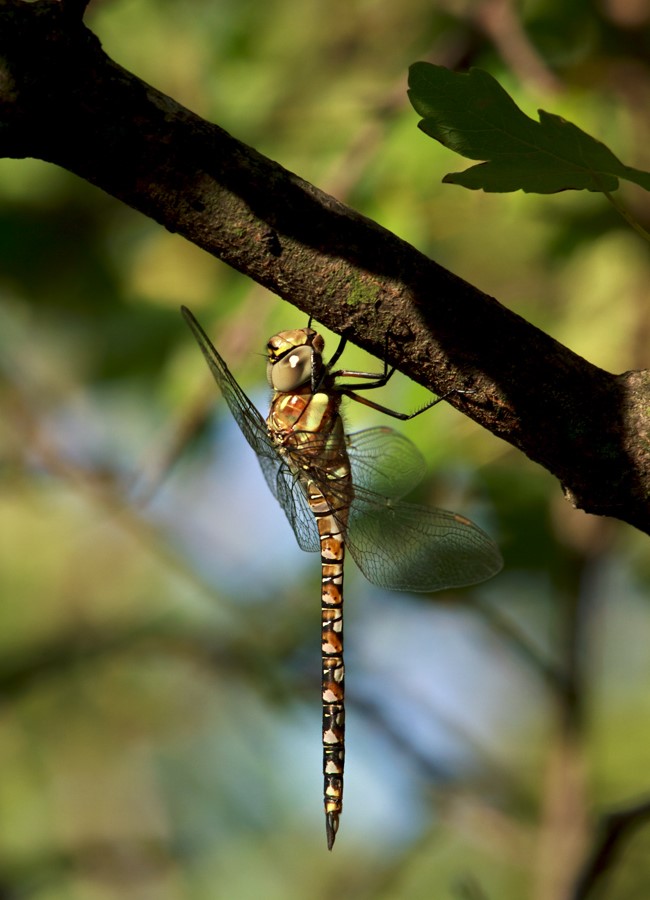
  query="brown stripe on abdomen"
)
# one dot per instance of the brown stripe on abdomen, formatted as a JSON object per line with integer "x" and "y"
{"x": 332, "y": 672}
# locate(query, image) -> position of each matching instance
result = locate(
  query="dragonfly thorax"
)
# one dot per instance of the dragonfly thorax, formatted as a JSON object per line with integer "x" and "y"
{"x": 294, "y": 359}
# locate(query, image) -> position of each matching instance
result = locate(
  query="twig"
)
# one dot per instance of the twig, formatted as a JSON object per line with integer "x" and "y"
{"x": 614, "y": 828}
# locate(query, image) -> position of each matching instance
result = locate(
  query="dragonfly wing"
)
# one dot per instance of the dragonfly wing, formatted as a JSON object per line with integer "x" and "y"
{"x": 406, "y": 547}
{"x": 278, "y": 477}
{"x": 288, "y": 492}
{"x": 245, "y": 412}
{"x": 385, "y": 462}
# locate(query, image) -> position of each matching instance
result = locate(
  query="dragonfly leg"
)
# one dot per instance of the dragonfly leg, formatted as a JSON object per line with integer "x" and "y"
{"x": 320, "y": 372}
{"x": 404, "y": 417}
{"x": 376, "y": 380}
{"x": 338, "y": 352}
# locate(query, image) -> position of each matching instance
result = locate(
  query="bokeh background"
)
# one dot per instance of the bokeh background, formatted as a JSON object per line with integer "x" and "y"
{"x": 159, "y": 628}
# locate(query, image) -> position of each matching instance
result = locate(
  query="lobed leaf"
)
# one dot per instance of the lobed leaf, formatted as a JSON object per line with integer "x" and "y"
{"x": 473, "y": 115}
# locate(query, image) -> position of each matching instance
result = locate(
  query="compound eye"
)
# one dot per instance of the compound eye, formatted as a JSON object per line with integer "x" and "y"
{"x": 292, "y": 370}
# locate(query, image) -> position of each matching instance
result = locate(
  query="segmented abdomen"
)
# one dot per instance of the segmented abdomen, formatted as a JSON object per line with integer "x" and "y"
{"x": 308, "y": 432}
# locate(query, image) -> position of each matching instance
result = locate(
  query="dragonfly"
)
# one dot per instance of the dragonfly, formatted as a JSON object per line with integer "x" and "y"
{"x": 344, "y": 492}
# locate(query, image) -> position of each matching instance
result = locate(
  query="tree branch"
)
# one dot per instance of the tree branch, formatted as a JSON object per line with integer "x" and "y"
{"x": 614, "y": 828}
{"x": 63, "y": 100}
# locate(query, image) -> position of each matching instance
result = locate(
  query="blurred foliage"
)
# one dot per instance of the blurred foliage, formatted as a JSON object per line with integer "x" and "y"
{"x": 160, "y": 728}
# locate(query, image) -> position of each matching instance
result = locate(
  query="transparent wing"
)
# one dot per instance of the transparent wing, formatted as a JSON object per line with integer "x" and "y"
{"x": 400, "y": 545}
{"x": 281, "y": 482}
{"x": 385, "y": 462}
{"x": 406, "y": 547}
{"x": 289, "y": 494}
{"x": 396, "y": 545}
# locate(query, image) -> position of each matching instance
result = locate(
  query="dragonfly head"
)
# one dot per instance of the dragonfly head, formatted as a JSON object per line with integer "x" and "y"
{"x": 293, "y": 358}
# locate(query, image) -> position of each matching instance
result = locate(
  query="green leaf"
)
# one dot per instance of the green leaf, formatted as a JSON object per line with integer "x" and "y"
{"x": 473, "y": 115}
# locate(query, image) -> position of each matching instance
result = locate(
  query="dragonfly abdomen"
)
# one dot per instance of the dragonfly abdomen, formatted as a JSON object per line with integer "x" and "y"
{"x": 333, "y": 670}
{"x": 308, "y": 432}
